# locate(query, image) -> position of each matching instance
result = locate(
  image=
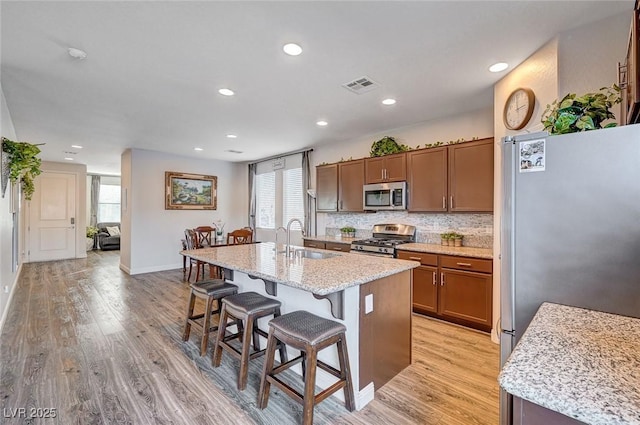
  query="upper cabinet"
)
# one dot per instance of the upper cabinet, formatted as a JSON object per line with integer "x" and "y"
{"x": 384, "y": 169}
{"x": 339, "y": 186}
{"x": 630, "y": 74}
{"x": 454, "y": 178}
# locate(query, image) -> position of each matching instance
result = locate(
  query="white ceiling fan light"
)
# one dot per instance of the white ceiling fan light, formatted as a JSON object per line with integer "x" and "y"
{"x": 292, "y": 49}
{"x": 77, "y": 53}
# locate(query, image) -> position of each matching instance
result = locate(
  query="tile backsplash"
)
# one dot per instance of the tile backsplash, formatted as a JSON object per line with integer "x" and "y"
{"x": 476, "y": 228}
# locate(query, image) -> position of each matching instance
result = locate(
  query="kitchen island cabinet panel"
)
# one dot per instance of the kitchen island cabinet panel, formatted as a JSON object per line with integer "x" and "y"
{"x": 427, "y": 180}
{"x": 385, "y": 169}
{"x": 471, "y": 176}
{"x": 327, "y": 187}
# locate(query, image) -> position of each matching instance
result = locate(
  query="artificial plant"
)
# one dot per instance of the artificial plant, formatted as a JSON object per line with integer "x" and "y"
{"x": 386, "y": 146}
{"x": 581, "y": 113}
{"x": 24, "y": 164}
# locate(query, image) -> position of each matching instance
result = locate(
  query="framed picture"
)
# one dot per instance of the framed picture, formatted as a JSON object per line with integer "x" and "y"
{"x": 190, "y": 191}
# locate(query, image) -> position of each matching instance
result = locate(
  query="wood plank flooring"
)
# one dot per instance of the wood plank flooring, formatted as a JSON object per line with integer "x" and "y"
{"x": 104, "y": 347}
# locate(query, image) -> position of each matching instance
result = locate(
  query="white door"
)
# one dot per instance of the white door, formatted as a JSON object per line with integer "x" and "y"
{"x": 52, "y": 230}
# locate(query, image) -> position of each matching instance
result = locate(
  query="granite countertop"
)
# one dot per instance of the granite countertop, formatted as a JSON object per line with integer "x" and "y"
{"x": 334, "y": 239}
{"x": 318, "y": 276}
{"x": 581, "y": 363}
{"x": 462, "y": 251}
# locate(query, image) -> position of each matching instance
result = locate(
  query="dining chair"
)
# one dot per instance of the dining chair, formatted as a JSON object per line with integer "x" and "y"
{"x": 239, "y": 236}
{"x": 203, "y": 234}
{"x": 191, "y": 240}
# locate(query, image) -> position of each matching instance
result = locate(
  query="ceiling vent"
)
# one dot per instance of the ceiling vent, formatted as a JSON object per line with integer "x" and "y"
{"x": 361, "y": 85}
{"x": 233, "y": 151}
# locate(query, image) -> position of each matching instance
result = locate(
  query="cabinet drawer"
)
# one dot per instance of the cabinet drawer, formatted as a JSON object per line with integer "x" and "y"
{"x": 424, "y": 258}
{"x": 314, "y": 244}
{"x": 334, "y": 246}
{"x": 466, "y": 263}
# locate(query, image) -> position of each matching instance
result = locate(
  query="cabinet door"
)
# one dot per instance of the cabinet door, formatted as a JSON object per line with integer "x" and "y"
{"x": 350, "y": 182}
{"x": 396, "y": 168}
{"x": 425, "y": 289}
{"x": 466, "y": 296}
{"x": 427, "y": 180}
{"x": 374, "y": 170}
{"x": 336, "y": 246}
{"x": 327, "y": 187}
{"x": 471, "y": 176}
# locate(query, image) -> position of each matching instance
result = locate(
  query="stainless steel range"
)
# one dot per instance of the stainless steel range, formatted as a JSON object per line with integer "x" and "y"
{"x": 385, "y": 239}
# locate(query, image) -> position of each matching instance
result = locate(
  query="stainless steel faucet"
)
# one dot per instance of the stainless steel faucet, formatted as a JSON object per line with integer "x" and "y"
{"x": 288, "y": 247}
{"x": 277, "y": 230}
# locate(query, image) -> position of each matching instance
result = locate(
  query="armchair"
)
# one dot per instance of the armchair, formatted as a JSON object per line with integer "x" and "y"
{"x": 104, "y": 240}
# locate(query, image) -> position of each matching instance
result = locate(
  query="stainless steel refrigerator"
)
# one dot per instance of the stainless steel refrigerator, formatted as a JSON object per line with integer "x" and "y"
{"x": 570, "y": 231}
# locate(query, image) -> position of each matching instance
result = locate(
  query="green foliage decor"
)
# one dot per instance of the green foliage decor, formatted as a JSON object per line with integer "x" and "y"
{"x": 92, "y": 231}
{"x": 587, "y": 112}
{"x": 387, "y": 146}
{"x": 348, "y": 229}
{"x": 24, "y": 164}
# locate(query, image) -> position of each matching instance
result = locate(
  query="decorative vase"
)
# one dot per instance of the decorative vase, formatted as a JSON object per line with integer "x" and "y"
{"x": 444, "y": 242}
{"x": 89, "y": 244}
{"x": 458, "y": 242}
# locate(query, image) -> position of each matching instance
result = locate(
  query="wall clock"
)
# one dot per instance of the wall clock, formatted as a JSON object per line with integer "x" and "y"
{"x": 518, "y": 108}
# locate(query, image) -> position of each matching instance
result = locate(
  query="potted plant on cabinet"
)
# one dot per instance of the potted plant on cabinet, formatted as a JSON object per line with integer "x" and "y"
{"x": 348, "y": 232}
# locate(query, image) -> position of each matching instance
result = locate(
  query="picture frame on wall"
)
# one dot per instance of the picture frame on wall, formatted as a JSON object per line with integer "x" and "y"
{"x": 185, "y": 191}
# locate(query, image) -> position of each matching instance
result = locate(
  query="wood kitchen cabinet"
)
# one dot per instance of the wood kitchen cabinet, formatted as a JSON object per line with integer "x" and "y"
{"x": 427, "y": 180}
{"x": 385, "y": 169}
{"x": 630, "y": 74}
{"x": 314, "y": 244}
{"x": 452, "y": 288}
{"x": 339, "y": 186}
{"x": 454, "y": 178}
{"x": 338, "y": 246}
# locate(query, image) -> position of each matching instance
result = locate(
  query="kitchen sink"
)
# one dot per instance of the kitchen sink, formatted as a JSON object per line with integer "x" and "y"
{"x": 314, "y": 255}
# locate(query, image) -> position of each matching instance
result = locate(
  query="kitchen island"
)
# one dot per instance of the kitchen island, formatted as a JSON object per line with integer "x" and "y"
{"x": 370, "y": 295}
{"x": 573, "y": 366}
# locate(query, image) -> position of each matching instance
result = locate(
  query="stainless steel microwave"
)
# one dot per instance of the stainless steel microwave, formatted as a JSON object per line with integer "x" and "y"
{"x": 385, "y": 196}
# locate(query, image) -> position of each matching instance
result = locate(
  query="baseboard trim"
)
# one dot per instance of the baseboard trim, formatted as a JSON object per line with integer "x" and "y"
{"x": 365, "y": 396}
{"x": 151, "y": 269}
{"x": 5, "y": 312}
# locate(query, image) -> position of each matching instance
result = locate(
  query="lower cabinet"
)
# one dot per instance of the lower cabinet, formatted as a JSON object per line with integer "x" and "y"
{"x": 456, "y": 289}
{"x": 332, "y": 246}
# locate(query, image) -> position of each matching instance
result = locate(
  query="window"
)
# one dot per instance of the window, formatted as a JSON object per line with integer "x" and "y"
{"x": 279, "y": 194}
{"x": 266, "y": 200}
{"x": 109, "y": 203}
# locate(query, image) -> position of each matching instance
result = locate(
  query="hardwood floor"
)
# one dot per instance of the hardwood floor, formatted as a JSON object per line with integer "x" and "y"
{"x": 100, "y": 346}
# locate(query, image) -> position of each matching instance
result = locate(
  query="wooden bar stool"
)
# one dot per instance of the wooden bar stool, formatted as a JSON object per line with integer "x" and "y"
{"x": 247, "y": 307}
{"x": 210, "y": 291}
{"x": 309, "y": 334}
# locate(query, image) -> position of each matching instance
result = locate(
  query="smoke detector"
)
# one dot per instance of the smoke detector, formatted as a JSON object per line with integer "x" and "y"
{"x": 361, "y": 85}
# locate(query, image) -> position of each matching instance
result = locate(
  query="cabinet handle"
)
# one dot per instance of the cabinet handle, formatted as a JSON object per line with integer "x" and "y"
{"x": 451, "y": 202}
{"x": 441, "y": 279}
{"x": 444, "y": 202}
{"x": 340, "y": 204}
{"x": 434, "y": 279}
{"x": 415, "y": 258}
{"x": 464, "y": 264}
{"x": 337, "y": 249}
{"x": 386, "y": 174}
{"x": 382, "y": 173}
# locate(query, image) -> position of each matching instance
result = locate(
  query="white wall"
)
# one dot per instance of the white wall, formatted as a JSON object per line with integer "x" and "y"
{"x": 578, "y": 61}
{"x": 8, "y": 277}
{"x": 151, "y": 234}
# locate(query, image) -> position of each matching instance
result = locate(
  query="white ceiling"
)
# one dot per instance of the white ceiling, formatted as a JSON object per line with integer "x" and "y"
{"x": 153, "y": 69}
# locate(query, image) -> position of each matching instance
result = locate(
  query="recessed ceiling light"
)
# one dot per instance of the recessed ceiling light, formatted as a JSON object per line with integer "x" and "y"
{"x": 68, "y": 159}
{"x": 226, "y": 92}
{"x": 389, "y": 101}
{"x": 497, "y": 67}
{"x": 197, "y": 149}
{"x": 77, "y": 53}
{"x": 322, "y": 123}
{"x": 232, "y": 136}
{"x": 76, "y": 146}
{"x": 292, "y": 49}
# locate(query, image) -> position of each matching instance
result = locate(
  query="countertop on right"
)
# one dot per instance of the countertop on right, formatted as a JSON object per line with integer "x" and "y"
{"x": 581, "y": 363}
{"x": 462, "y": 251}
